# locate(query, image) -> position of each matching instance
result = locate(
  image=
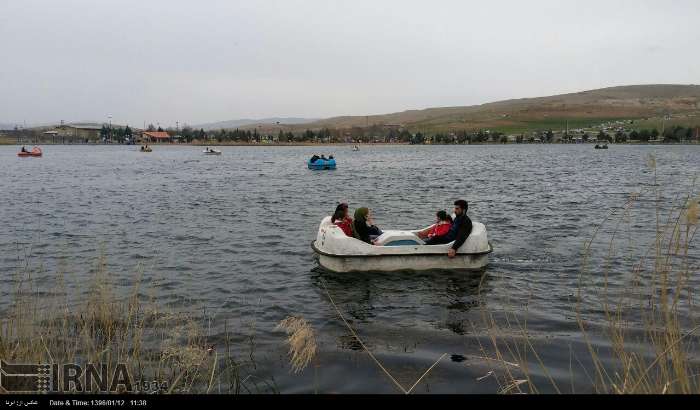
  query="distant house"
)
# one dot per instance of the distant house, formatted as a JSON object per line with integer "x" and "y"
{"x": 81, "y": 131}
{"x": 53, "y": 134}
{"x": 156, "y": 136}
{"x": 269, "y": 139}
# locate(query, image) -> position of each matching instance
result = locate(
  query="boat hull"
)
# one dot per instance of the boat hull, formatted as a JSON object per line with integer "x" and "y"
{"x": 396, "y": 250}
{"x": 321, "y": 164}
{"x": 343, "y": 264}
{"x": 35, "y": 152}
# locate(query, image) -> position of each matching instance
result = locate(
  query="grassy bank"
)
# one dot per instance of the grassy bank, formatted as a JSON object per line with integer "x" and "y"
{"x": 649, "y": 323}
{"x": 167, "y": 348}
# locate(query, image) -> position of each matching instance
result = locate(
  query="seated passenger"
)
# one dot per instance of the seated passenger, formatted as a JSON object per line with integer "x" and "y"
{"x": 342, "y": 219}
{"x": 440, "y": 228}
{"x": 459, "y": 232}
{"x": 365, "y": 230}
{"x": 24, "y": 149}
{"x": 314, "y": 158}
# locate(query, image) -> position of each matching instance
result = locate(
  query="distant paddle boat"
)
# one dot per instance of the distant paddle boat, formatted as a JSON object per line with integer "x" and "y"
{"x": 211, "y": 151}
{"x": 35, "y": 152}
{"x": 605, "y": 146}
{"x": 398, "y": 250}
{"x": 355, "y": 148}
{"x": 146, "y": 149}
{"x": 321, "y": 163}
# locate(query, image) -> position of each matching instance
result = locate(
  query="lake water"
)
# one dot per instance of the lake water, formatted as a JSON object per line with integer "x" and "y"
{"x": 230, "y": 236}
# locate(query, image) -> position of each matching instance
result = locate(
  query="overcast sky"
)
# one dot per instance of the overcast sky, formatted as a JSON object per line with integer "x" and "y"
{"x": 161, "y": 61}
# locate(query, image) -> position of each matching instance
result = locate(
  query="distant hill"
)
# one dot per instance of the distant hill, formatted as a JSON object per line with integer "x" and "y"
{"x": 6, "y": 126}
{"x": 579, "y": 109}
{"x": 249, "y": 122}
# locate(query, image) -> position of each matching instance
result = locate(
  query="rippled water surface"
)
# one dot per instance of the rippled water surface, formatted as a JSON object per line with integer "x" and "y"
{"x": 230, "y": 236}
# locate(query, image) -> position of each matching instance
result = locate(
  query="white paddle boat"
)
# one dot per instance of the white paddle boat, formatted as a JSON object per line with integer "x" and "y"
{"x": 211, "y": 151}
{"x": 397, "y": 250}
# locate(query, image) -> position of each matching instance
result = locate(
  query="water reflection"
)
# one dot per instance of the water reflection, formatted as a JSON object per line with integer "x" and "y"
{"x": 441, "y": 300}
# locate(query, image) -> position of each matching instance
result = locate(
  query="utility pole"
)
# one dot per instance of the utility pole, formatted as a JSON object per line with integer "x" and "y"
{"x": 663, "y": 125}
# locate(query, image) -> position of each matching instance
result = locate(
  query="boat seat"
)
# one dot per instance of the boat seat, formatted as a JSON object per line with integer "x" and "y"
{"x": 399, "y": 238}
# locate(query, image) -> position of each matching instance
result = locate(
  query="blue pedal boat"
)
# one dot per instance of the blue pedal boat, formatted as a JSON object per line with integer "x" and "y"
{"x": 321, "y": 164}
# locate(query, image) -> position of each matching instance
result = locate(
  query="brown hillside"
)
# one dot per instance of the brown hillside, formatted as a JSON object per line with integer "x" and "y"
{"x": 629, "y": 102}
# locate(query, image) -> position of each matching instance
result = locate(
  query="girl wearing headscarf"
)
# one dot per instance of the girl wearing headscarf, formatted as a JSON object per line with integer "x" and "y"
{"x": 365, "y": 230}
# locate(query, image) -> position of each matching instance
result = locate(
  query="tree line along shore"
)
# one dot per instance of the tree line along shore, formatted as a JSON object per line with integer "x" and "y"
{"x": 617, "y": 132}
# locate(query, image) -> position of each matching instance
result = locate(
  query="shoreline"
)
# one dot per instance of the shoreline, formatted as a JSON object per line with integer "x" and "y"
{"x": 340, "y": 144}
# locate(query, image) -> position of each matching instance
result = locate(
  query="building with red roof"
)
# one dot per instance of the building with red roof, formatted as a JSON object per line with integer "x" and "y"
{"x": 156, "y": 136}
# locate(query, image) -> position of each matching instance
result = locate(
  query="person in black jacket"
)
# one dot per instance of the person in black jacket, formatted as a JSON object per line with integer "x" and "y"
{"x": 460, "y": 231}
{"x": 365, "y": 230}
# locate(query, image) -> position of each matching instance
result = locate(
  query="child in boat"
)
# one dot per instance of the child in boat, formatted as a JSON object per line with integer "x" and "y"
{"x": 441, "y": 227}
{"x": 342, "y": 219}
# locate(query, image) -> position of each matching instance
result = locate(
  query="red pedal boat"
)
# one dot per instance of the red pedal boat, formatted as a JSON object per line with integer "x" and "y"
{"x": 35, "y": 152}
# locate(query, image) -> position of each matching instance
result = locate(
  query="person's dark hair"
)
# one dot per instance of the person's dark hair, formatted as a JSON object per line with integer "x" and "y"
{"x": 442, "y": 215}
{"x": 462, "y": 204}
{"x": 339, "y": 212}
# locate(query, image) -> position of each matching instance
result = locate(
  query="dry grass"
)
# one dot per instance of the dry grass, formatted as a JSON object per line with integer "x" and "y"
{"x": 649, "y": 322}
{"x": 301, "y": 341}
{"x": 156, "y": 344}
